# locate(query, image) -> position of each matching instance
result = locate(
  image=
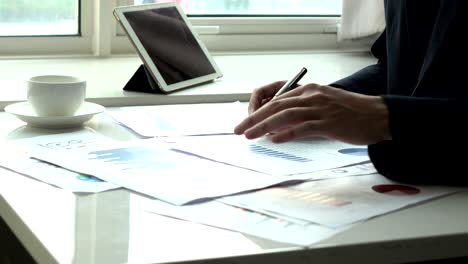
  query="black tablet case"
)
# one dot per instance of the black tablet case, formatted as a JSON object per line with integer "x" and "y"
{"x": 142, "y": 81}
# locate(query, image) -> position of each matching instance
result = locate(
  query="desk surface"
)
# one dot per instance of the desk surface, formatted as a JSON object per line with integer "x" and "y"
{"x": 110, "y": 227}
{"x": 56, "y": 226}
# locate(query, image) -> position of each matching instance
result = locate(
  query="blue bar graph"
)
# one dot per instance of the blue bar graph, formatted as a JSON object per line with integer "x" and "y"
{"x": 276, "y": 154}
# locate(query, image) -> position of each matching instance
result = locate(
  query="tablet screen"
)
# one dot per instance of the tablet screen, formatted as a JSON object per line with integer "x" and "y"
{"x": 170, "y": 44}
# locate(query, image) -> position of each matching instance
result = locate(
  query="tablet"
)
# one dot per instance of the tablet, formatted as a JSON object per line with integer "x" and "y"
{"x": 168, "y": 45}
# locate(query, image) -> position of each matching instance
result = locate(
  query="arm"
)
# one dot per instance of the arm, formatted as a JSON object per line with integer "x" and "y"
{"x": 371, "y": 80}
{"x": 426, "y": 132}
{"x": 429, "y": 127}
{"x": 428, "y": 135}
{"x": 323, "y": 111}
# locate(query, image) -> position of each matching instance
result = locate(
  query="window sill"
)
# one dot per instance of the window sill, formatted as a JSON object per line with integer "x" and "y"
{"x": 242, "y": 72}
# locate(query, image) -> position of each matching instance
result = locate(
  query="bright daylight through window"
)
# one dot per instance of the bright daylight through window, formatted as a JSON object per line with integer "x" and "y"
{"x": 88, "y": 26}
{"x": 257, "y": 7}
{"x": 39, "y": 17}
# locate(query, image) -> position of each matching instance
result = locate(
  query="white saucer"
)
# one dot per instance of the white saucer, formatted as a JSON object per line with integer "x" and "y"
{"x": 24, "y": 111}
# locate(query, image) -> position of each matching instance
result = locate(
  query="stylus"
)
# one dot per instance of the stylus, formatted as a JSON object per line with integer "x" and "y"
{"x": 291, "y": 84}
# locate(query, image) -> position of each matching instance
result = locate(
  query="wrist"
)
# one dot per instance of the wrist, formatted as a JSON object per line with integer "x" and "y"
{"x": 382, "y": 118}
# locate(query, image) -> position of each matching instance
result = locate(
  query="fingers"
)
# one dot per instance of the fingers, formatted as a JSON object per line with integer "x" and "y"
{"x": 283, "y": 119}
{"x": 304, "y": 96}
{"x": 312, "y": 110}
{"x": 295, "y": 114}
{"x": 262, "y": 95}
{"x": 265, "y": 112}
{"x": 303, "y": 130}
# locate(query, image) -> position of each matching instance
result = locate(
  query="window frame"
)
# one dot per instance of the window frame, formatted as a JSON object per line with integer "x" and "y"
{"x": 256, "y": 34}
{"x": 54, "y": 45}
{"x": 100, "y": 34}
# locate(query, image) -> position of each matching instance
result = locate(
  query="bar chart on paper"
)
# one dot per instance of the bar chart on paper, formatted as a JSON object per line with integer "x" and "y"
{"x": 296, "y": 157}
{"x": 337, "y": 202}
{"x": 261, "y": 150}
{"x": 151, "y": 168}
{"x": 132, "y": 158}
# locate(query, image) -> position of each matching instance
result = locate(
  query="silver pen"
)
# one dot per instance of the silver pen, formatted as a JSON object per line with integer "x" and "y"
{"x": 291, "y": 84}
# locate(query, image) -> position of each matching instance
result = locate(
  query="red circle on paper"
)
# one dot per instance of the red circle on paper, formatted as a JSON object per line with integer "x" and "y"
{"x": 395, "y": 189}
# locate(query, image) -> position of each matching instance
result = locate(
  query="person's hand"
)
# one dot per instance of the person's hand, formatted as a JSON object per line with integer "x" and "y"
{"x": 313, "y": 110}
{"x": 263, "y": 95}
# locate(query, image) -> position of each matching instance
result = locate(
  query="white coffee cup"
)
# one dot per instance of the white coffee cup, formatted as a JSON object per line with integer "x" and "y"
{"x": 56, "y": 95}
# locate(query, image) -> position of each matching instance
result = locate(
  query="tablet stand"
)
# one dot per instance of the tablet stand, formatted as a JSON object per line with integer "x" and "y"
{"x": 142, "y": 81}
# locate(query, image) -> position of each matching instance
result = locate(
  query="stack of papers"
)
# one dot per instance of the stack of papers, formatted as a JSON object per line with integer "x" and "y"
{"x": 307, "y": 213}
{"x": 338, "y": 202}
{"x": 154, "y": 168}
{"x": 298, "y": 192}
{"x": 16, "y": 156}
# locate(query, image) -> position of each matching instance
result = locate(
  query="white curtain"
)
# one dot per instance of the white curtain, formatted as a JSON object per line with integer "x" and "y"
{"x": 361, "y": 19}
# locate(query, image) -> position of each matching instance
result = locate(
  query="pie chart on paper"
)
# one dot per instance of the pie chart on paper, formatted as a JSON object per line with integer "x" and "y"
{"x": 395, "y": 189}
{"x": 354, "y": 151}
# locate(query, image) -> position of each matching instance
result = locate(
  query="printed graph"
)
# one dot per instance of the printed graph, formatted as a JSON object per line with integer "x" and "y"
{"x": 88, "y": 178}
{"x": 261, "y": 150}
{"x": 135, "y": 159}
{"x": 303, "y": 198}
{"x": 395, "y": 189}
{"x": 131, "y": 158}
{"x": 66, "y": 144}
{"x": 354, "y": 151}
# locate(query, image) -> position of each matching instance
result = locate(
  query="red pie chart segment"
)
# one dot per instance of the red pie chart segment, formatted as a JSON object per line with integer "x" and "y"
{"x": 395, "y": 189}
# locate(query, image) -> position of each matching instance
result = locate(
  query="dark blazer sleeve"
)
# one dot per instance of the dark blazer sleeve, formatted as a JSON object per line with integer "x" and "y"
{"x": 371, "y": 80}
{"x": 428, "y": 115}
{"x": 429, "y": 140}
{"x": 429, "y": 125}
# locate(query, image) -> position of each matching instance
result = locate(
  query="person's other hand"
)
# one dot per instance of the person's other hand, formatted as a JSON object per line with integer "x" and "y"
{"x": 313, "y": 110}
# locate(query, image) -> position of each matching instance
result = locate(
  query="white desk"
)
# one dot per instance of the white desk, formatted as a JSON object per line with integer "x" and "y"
{"x": 56, "y": 226}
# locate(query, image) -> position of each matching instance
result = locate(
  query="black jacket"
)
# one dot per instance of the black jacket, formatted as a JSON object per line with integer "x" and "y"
{"x": 422, "y": 74}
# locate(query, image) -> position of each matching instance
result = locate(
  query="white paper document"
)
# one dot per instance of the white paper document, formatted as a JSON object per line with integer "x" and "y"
{"x": 338, "y": 202}
{"x": 16, "y": 157}
{"x": 186, "y": 119}
{"x": 151, "y": 168}
{"x": 347, "y": 171}
{"x": 299, "y": 156}
{"x": 75, "y": 140}
{"x": 59, "y": 177}
{"x": 220, "y": 215}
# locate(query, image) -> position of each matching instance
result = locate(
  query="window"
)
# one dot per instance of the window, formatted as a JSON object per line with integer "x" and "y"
{"x": 64, "y": 27}
{"x": 256, "y": 7}
{"x": 38, "y": 18}
{"x": 256, "y": 25}
{"x": 45, "y": 27}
